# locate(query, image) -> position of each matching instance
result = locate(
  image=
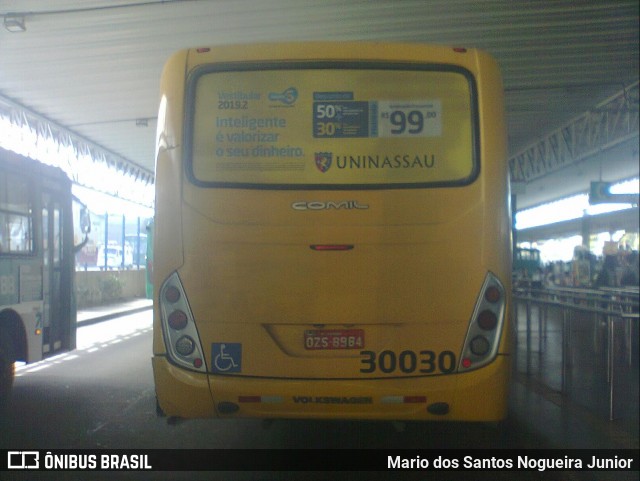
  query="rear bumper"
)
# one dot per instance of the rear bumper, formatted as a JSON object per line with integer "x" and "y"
{"x": 480, "y": 395}
{"x": 180, "y": 392}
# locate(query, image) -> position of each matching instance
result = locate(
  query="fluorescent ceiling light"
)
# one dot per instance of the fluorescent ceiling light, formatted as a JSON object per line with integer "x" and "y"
{"x": 14, "y": 22}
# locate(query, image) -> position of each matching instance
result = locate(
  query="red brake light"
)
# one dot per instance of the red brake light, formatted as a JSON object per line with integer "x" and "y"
{"x": 487, "y": 320}
{"x": 415, "y": 399}
{"x": 172, "y": 294}
{"x": 331, "y": 247}
{"x": 492, "y": 294}
{"x": 178, "y": 320}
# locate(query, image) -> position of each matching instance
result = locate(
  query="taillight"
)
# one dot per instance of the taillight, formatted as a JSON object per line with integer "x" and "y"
{"x": 492, "y": 294}
{"x": 171, "y": 294}
{"x": 479, "y": 345}
{"x": 178, "y": 320}
{"x": 485, "y": 327}
{"x": 180, "y": 333}
{"x": 487, "y": 320}
{"x": 185, "y": 346}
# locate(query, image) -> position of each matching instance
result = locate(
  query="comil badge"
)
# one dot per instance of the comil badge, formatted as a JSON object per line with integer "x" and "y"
{"x": 323, "y": 161}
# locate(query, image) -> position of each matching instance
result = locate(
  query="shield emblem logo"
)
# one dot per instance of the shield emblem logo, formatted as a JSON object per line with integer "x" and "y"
{"x": 323, "y": 161}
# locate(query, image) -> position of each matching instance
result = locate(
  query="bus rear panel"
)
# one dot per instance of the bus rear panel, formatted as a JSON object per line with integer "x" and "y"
{"x": 332, "y": 234}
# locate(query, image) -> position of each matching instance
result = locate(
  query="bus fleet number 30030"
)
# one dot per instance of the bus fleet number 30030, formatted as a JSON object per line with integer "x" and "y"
{"x": 408, "y": 362}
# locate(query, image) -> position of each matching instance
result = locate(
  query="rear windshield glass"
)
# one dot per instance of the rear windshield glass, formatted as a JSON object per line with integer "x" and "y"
{"x": 331, "y": 126}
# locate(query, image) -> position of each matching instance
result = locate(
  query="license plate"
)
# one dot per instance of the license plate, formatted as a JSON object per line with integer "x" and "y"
{"x": 320, "y": 339}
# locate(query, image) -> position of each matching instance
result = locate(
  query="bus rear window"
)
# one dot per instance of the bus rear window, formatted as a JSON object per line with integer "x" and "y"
{"x": 331, "y": 126}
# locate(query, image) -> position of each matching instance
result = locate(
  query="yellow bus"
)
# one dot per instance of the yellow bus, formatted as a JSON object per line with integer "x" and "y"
{"x": 332, "y": 233}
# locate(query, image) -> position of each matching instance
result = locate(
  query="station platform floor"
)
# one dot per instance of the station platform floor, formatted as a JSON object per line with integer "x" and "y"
{"x": 92, "y": 315}
{"x": 564, "y": 385}
{"x": 569, "y": 413}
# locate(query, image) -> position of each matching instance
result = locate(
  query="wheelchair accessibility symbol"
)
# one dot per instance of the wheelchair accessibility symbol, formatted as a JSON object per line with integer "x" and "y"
{"x": 227, "y": 357}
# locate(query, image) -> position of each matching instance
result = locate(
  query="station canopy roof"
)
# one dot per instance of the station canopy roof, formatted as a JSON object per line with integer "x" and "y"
{"x": 92, "y": 67}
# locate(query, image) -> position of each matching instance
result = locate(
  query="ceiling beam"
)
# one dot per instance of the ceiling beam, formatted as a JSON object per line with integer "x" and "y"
{"x": 609, "y": 123}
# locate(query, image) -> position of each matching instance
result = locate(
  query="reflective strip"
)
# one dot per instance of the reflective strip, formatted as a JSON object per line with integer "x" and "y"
{"x": 261, "y": 399}
{"x": 392, "y": 400}
{"x": 272, "y": 399}
{"x": 403, "y": 399}
{"x": 248, "y": 399}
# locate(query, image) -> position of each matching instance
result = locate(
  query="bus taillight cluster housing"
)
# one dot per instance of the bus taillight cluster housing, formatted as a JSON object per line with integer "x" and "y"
{"x": 485, "y": 327}
{"x": 180, "y": 333}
